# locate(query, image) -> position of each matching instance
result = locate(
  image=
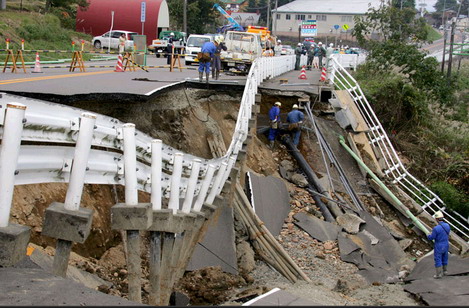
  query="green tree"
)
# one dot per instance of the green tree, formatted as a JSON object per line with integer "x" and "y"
{"x": 64, "y": 4}
{"x": 403, "y": 4}
{"x": 201, "y": 16}
{"x": 441, "y": 5}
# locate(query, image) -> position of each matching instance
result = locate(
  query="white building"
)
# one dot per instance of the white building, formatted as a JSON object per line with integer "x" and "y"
{"x": 329, "y": 15}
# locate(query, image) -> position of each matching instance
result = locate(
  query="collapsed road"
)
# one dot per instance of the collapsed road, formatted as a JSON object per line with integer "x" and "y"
{"x": 372, "y": 238}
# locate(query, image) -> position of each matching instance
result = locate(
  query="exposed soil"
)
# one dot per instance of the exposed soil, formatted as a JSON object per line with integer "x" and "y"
{"x": 184, "y": 120}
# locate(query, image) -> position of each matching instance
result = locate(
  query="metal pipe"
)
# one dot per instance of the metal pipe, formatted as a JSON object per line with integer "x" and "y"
{"x": 156, "y": 167}
{"x": 186, "y": 207}
{"x": 80, "y": 161}
{"x": 9, "y": 151}
{"x": 175, "y": 182}
{"x": 380, "y": 183}
{"x": 130, "y": 164}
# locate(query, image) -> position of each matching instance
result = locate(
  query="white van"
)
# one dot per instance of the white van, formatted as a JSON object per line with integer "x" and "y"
{"x": 194, "y": 45}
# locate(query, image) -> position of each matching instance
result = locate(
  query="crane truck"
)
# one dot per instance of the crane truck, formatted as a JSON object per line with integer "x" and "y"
{"x": 232, "y": 26}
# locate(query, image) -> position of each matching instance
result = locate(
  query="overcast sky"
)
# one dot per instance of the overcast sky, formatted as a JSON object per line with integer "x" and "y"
{"x": 429, "y": 3}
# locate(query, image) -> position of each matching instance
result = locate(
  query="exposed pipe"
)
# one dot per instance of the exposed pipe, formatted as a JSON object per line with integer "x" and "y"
{"x": 398, "y": 202}
{"x": 312, "y": 178}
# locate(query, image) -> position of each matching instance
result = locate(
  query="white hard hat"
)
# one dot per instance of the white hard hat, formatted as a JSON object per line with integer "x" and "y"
{"x": 299, "y": 44}
{"x": 172, "y": 33}
{"x": 438, "y": 214}
{"x": 295, "y": 106}
{"x": 278, "y": 104}
{"x": 279, "y": 41}
{"x": 320, "y": 43}
{"x": 331, "y": 44}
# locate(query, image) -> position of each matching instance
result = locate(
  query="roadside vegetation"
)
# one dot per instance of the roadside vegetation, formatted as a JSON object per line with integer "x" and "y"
{"x": 424, "y": 110}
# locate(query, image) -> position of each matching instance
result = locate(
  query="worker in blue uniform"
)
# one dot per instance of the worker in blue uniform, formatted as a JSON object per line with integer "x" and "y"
{"x": 274, "y": 116}
{"x": 205, "y": 56}
{"x": 295, "y": 119}
{"x": 440, "y": 234}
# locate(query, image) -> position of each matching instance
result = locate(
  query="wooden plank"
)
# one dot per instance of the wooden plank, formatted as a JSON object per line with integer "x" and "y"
{"x": 366, "y": 152}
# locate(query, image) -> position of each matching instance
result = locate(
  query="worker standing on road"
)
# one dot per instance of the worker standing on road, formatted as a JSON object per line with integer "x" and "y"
{"x": 321, "y": 54}
{"x": 205, "y": 56}
{"x": 216, "y": 62}
{"x": 274, "y": 116}
{"x": 278, "y": 48}
{"x": 440, "y": 251}
{"x": 295, "y": 119}
{"x": 122, "y": 40}
{"x": 310, "y": 54}
{"x": 169, "y": 48}
{"x": 298, "y": 52}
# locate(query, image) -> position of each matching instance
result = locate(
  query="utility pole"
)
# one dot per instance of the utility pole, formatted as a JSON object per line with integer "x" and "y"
{"x": 268, "y": 13}
{"x": 451, "y": 42}
{"x": 3, "y": 5}
{"x": 184, "y": 21}
{"x": 275, "y": 19}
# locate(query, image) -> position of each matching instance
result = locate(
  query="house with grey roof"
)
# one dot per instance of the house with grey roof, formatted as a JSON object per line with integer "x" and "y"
{"x": 332, "y": 16}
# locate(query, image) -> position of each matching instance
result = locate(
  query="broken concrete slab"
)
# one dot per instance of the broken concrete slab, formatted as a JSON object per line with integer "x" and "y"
{"x": 45, "y": 262}
{"x": 270, "y": 199}
{"x": 374, "y": 227}
{"x": 277, "y": 297}
{"x": 394, "y": 228}
{"x": 346, "y": 245}
{"x": 299, "y": 180}
{"x": 36, "y": 287}
{"x": 425, "y": 268}
{"x": 405, "y": 243}
{"x": 452, "y": 285}
{"x": 317, "y": 228}
{"x": 373, "y": 239}
{"x": 218, "y": 245}
{"x": 350, "y": 222}
{"x": 380, "y": 275}
{"x": 433, "y": 299}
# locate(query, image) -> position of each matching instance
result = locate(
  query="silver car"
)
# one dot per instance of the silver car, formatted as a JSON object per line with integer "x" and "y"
{"x": 111, "y": 38}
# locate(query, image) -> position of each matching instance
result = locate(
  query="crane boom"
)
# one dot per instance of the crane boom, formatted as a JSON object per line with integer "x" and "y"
{"x": 234, "y": 24}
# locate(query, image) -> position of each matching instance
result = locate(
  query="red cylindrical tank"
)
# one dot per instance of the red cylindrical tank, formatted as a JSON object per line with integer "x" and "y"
{"x": 96, "y": 19}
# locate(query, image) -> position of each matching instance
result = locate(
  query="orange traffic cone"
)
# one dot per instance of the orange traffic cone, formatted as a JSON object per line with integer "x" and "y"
{"x": 323, "y": 74}
{"x": 37, "y": 65}
{"x": 303, "y": 73}
{"x": 119, "y": 66}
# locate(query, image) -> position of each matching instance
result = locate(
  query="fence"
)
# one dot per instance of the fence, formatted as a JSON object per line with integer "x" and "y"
{"x": 394, "y": 168}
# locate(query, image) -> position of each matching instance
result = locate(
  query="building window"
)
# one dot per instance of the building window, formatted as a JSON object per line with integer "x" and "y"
{"x": 287, "y": 17}
{"x": 300, "y": 17}
{"x": 321, "y": 17}
{"x": 278, "y": 16}
{"x": 309, "y": 16}
{"x": 346, "y": 18}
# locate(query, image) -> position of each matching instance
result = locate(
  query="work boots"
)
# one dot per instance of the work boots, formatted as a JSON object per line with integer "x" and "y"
{"x": 213, "y": 74}
{"x": 445, "y": 270}
{"x": 207, "y": 75}
{"x": 217, "y": 74}
{"x": 201, "y": 74}
{"x": 439, "y": 272}
{"x": 271, "y": 145}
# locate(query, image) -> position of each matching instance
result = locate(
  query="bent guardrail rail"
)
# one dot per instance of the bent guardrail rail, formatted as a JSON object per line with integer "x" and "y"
{"x": 394, "y": 168}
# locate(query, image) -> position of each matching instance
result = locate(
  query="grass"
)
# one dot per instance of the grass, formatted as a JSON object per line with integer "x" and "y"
{"x": 433, "y": 34}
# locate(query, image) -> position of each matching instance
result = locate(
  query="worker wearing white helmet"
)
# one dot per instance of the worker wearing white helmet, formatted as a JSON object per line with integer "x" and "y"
{"x": 298, "y": 52}
{"x": 216, "y": 61}
{"x": 170, "y": 47}
{"x": 295, "y": 119}
{"x": 440, "y": 234}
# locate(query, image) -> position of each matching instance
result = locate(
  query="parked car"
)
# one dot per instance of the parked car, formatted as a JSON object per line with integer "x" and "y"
{"x": 287, "y": 50}
{"x": 111, "y": 38}
{"x": 194, "y": 45}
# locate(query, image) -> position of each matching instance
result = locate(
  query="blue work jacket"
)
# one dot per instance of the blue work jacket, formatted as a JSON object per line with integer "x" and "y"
{"x": 295, "y": 116}
{"x": 441, "y": 235}
{"x": 274, "y": 113}
{"x": 209, "y": 47}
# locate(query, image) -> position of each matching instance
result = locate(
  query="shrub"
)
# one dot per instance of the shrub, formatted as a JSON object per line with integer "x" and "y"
{"x": 452, "y": 197}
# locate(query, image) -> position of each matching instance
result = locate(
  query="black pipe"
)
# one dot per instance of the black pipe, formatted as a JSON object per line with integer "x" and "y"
{"x": 310, "y": 176}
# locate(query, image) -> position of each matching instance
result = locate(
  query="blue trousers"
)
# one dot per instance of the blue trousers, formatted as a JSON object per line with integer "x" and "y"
{"x": 440, "y": 257}
{"x": 272, "y": 134}
{"x": 204, "y": 67}
{"x": 296, "y": 137}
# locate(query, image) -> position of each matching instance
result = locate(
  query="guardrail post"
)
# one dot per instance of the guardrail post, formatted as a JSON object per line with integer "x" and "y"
{"x": 14, "y": 238}
{"x": 68, "y": 222}
{"x": 132, "y": 216}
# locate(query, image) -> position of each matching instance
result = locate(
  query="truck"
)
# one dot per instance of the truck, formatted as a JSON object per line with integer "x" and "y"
{"x": 242, "y": 49}
{"x": 158, "y": 46}
{"x": 194, "y": 45}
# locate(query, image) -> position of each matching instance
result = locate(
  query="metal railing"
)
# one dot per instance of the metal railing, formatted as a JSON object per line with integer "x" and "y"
{"x": 159, "y": 168}
{"x": 394, "y": 167}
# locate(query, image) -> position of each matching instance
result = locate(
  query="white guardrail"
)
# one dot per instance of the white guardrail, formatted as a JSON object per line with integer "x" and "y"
{"x": 394, "y": 169}
{"x": 51, "y": 131}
